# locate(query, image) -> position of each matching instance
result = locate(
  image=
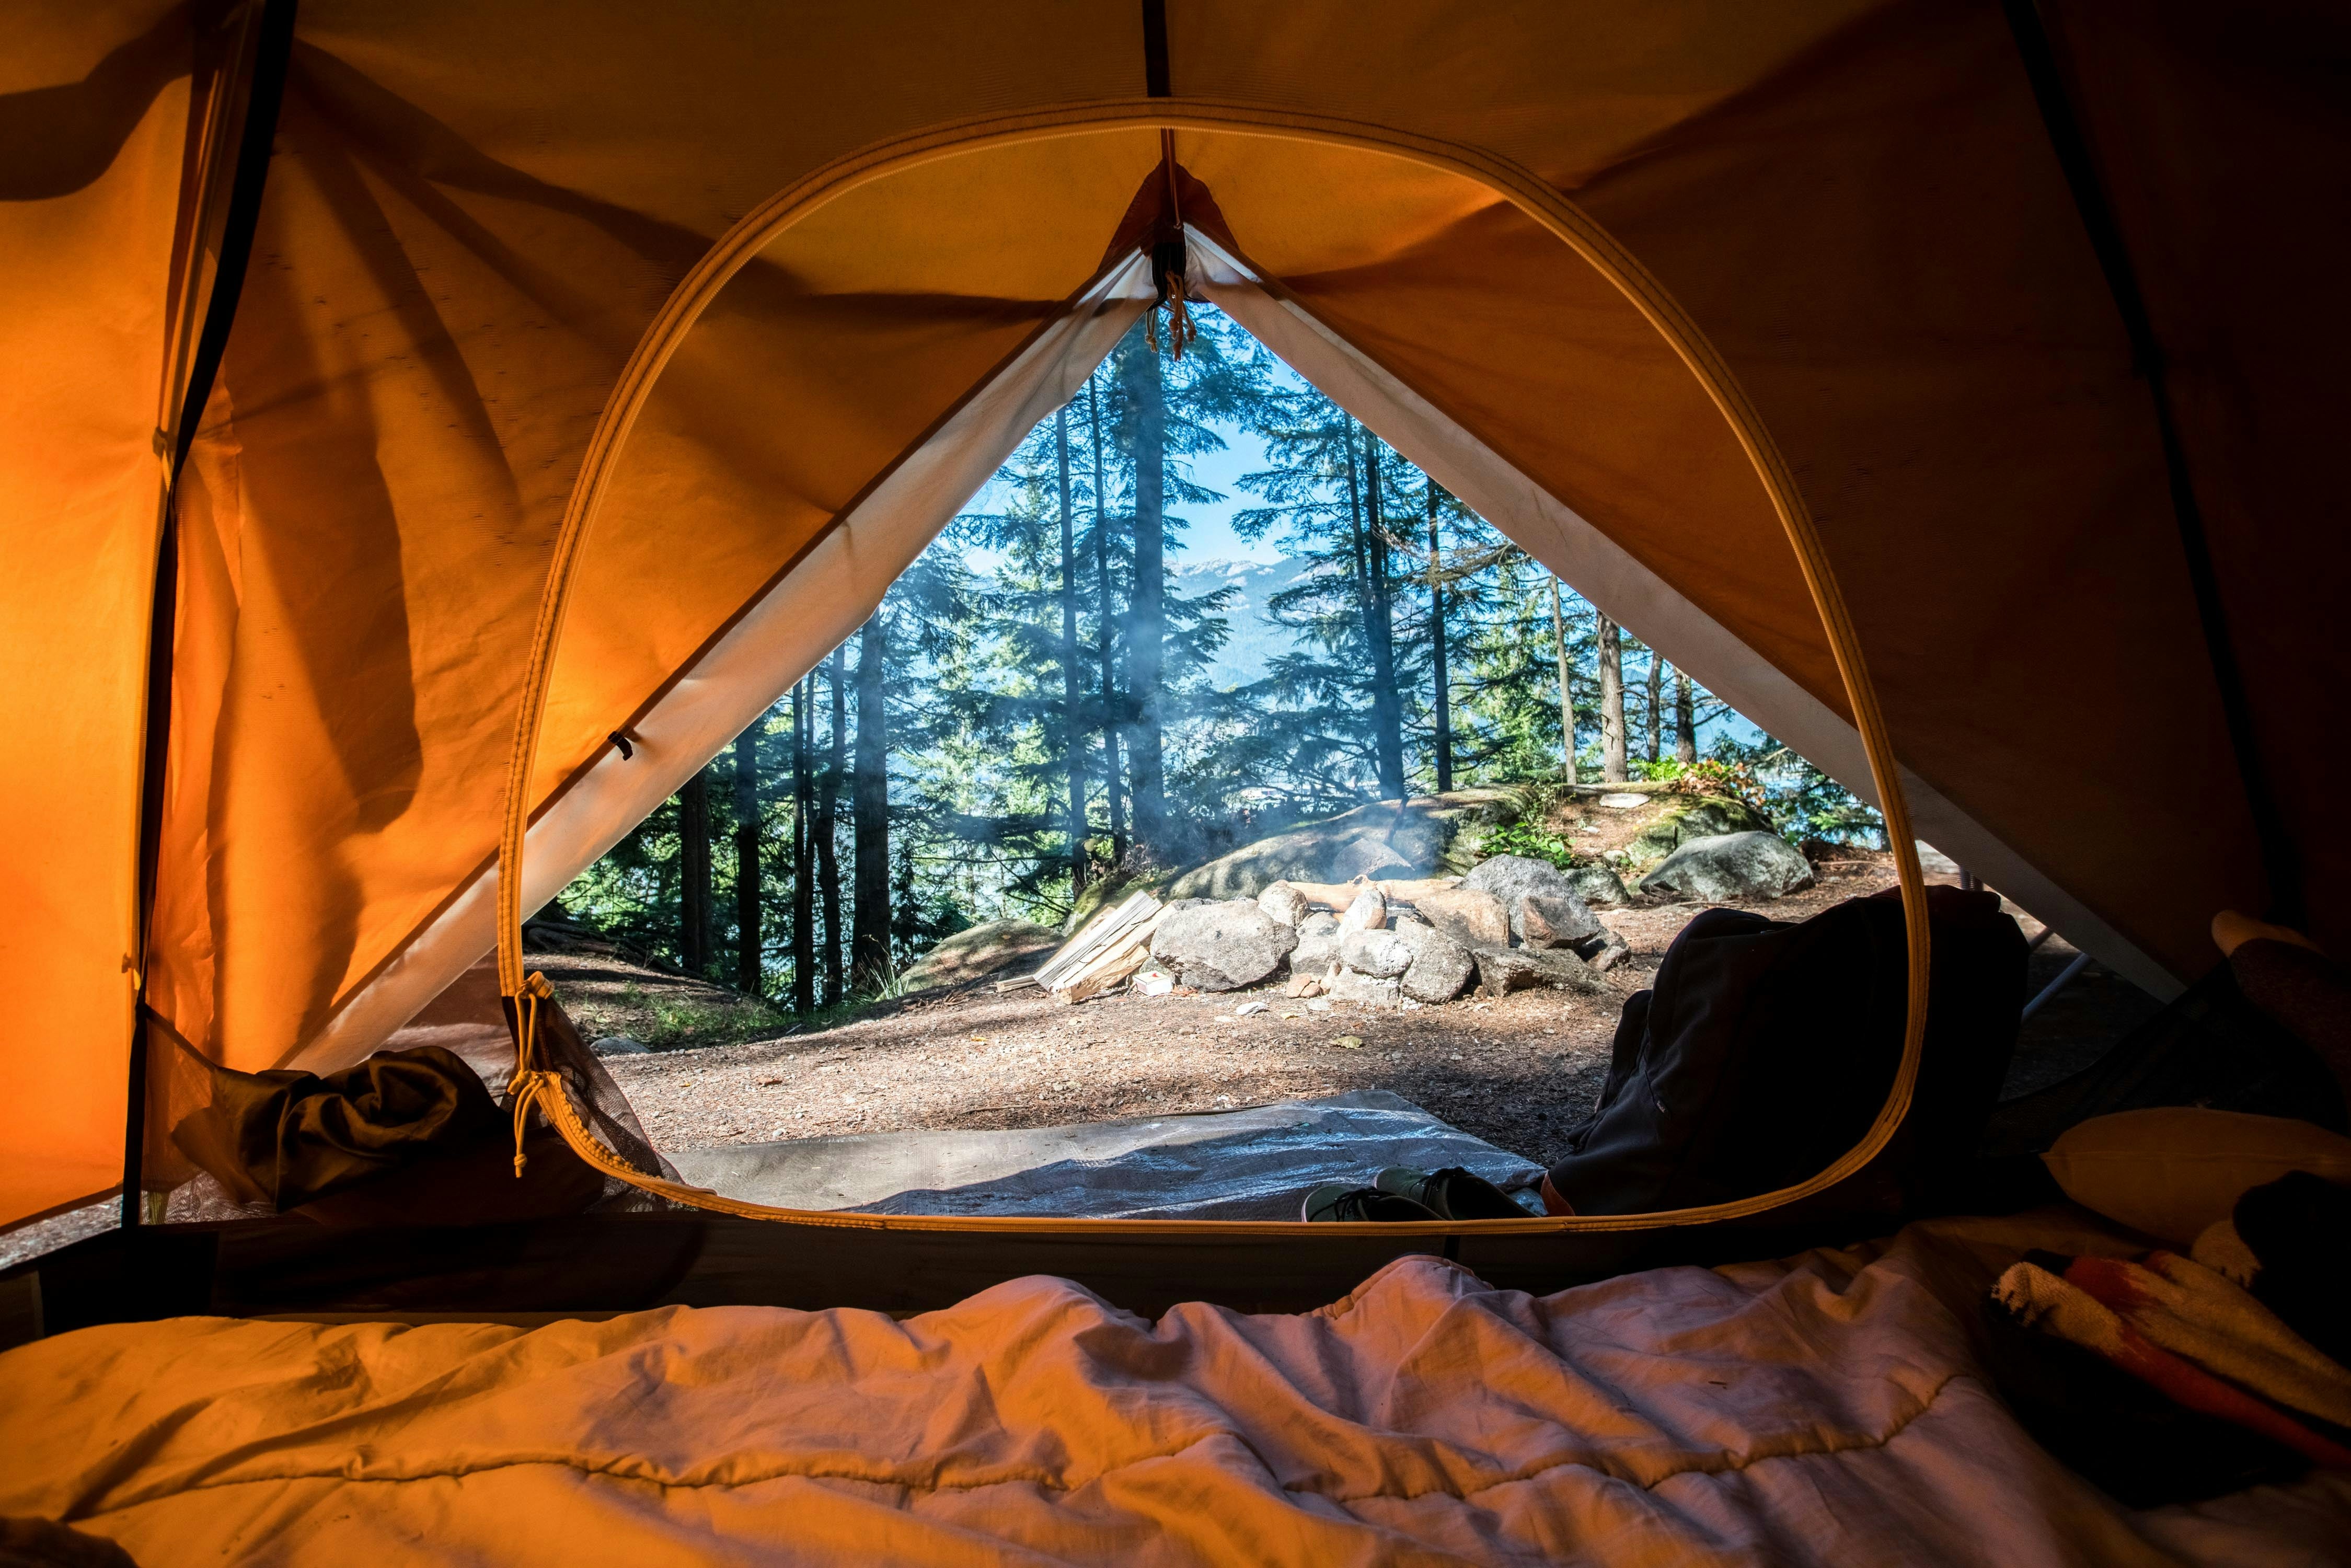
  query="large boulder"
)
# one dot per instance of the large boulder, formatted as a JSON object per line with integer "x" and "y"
{"x": 1441, "y": 968}
{"x": 1318, "y": 944}
{"x": 1694, "y": 818}
{"x": 1514, "y": 879}
{"x": 989, "y": 949}
{"x": 1221, "y": 944}
{"x": 1386, "y": 838}
{"x": 1470, "y": 916}
{"x": 1506, "y": 969}
{"x": 1730, "y": 868}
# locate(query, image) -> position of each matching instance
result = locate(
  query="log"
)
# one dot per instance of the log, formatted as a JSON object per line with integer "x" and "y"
{"x": 1338, "y": 895}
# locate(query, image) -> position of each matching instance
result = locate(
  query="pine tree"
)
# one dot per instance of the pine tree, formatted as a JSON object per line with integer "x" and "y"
{"x": 803, "y": 858}
{"x": 1657, "y": 711}
{"x": 1073, "y": 727}
{"x": 1147, "y": 613}
{"x": 871, "y": 967}
{"x": 1441, "y": 685}
{"x": 751, "y": 971}
{"x": 1612, "y": 702}
{"x": 693, "y": 872}
{"x": 828, "y": 803}
{"x": 1566, "y": 687}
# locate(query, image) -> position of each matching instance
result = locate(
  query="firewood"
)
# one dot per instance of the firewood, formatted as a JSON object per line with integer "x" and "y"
{"x": 1338, "y": 895}
{"x": 1117, "y": 960}
{"x": 1099, "y": 933}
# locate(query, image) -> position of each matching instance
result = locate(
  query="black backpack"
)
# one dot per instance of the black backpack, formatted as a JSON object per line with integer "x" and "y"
{"x": 1765, "y": 1050}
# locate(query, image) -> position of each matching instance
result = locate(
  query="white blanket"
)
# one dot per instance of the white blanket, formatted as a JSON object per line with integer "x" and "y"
{"x": 1827, "y": 1409}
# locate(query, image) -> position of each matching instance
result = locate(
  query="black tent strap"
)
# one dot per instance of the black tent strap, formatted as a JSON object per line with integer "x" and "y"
{"x": 273, "y": 48}
{"x": 2281, "y": 864}
{"x": 1155, "y": 49}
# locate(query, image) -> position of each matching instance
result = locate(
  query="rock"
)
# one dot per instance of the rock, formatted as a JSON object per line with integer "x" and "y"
{"x": 1471, "y": 916}
{"x": 1382, "y": 954}
{"x": 983, "y": 950}
{"x": 1441, "y": 968}
{"x": 620, "y": 1045}
{"x": 1702, "y": 816}
{"x": 1515, "y": 879}
{"x": 1385, "y": 839}
{"x": 1368, "y": 913}
{"x": 1347, "y": 986}
{"x": 1283, "y": 903}
{"x": 1222, "y": 944}
{"x": 1731, "y": 867}
{"x": 1623, "y": 802}
{"x": 1509, "y": 877}
{"x": 1597, "y": 884}
{"x": 1506, "y": 969}
{"x": 1246, "y": 1008}
{"x": 1301, "y": 986}
{"x": 1318, "y": 944}
{"x": 1613, "y": 950}
{"x": 1554, "y": 920}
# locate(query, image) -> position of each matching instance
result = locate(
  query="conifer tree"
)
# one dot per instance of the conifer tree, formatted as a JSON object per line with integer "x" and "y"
{"x": 750, "y": 970}
{"x": 869, "y": 963}
{"x": 693, "y": 872}
{"x": 828, "y": 804}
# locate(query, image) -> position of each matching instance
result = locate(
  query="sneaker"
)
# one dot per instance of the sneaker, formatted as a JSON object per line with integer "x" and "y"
{"x": 1449, "y": 1194}
{"x": 1340, "y": 1201}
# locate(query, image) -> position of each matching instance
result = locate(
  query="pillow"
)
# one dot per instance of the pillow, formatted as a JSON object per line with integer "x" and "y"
{"x": 2173, "y": 1170}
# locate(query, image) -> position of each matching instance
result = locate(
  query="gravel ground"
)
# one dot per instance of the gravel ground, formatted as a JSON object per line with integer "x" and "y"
{"x": 1517, "y": 1072}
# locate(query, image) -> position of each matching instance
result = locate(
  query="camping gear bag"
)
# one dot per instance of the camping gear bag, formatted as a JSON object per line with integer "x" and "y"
{"x": 1766, "y": 1048}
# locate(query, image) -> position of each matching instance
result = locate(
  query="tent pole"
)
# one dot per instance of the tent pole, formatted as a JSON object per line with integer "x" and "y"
{"x": 2281, "y": 864}
{"x": 273, "y": 50}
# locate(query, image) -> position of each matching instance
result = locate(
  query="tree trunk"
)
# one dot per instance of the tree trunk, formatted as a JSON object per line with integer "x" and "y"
{"x": 694, "y": 873}
{"x": 803, "y": 859}
{"x": 1612, "y": 702}
{"x": 1073, "y": 733}
{"x": 828, "y": 817}
{"x": 1685, "y": 732}
{"x": 1362, "y": 529}
{"x": 1147, "y": 610}
{"x": 1656, "y": 711}
{"x": 1444, "y": 703}
{"x": 1387, "y": 702}
{"x": 1566, "y": 689}
{"x": 869, "y": 805}
{"x": 750, "y": 973}
{"x": 1107, "y": 721}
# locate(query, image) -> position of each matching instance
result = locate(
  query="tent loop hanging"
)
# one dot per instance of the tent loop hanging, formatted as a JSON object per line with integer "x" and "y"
{"x": 534, "y": 1086}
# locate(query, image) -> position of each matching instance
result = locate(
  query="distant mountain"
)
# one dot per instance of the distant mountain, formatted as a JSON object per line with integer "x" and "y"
{"x": 1255, "y": 637}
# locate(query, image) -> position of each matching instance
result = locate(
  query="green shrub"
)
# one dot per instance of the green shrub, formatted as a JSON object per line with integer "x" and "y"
{"x": 1529, "y": 838}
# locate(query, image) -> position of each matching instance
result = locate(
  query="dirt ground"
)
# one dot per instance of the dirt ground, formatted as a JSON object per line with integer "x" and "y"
{"x": 1517, "y": 1072}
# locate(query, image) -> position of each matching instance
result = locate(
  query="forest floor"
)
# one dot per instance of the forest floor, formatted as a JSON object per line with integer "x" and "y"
{"x": 1517, "y": 1072}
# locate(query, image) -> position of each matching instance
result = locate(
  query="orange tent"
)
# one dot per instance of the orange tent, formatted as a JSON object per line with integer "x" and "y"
{"x": 327, "y": 323}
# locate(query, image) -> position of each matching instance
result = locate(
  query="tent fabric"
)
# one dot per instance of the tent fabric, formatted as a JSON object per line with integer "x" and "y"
{"x": 1828, "y": 1409}
{"x": 1857, "y": 205}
